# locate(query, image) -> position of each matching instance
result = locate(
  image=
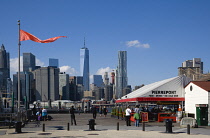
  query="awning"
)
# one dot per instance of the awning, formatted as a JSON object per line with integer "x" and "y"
{"x": 151, "y": 99}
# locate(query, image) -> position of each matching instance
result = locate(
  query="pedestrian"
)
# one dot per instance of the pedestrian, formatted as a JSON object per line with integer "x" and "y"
{"x": 136, "y": 109}
{"x": 85, "y": 109}
{"x": 44, "y": 114}
{"x": 34, "y": 117}
{"x": 101, "y": 110}
{"x": 73, "y": 120}
{"x": 79, "y": 109}
{"x": 94, "y": 111}
{"x": 39, "y": 116}
{"x": 105, "y": 111}
{"x": 137, "y": 119}
{"x": 128, "y": 116}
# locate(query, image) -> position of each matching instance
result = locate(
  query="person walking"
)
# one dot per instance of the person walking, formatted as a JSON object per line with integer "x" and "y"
{"x": 79, "y": 109}
{"x": 39, "y": 116}
{"x": 105, "y": 111}
{"x": 136, "y": 118}
{"x": 44, "y": 114}
{"x": 73, "y": 120}
{"x": 101, "y": 110}
{"x": 94, "y": 111}
{"x": 128, "y": 116}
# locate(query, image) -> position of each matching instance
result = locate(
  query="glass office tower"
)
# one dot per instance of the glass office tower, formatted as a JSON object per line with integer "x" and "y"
{"x": 84, "y": 67}
{"x": 53, "y": 62}
{"x": 29, "y": 62}
{"x": 121, "y": 74}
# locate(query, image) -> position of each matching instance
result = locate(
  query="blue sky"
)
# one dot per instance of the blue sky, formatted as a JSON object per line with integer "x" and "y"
{"x": 158, "y": 35}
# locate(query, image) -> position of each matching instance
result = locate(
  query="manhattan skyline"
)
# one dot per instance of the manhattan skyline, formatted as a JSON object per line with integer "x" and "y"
{"x": 157, "y": 35}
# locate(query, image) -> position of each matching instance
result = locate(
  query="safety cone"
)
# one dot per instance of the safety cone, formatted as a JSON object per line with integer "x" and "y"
{"x": 180, "y": 108}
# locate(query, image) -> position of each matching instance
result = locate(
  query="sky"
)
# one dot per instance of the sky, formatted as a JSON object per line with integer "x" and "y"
{"x": 158, "y": 35}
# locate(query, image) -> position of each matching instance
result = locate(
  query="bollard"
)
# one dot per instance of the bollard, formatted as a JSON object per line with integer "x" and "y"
{"x": 92, "y": 124}
{"x": 117, "y": 126}
{"x": 68, "y": 127}
{"x": 18, "y": 127}
{"x": 188, "y": 129}
{"x": 168, "y": 126}
{"x": 143, "y": 126}
{"x": 43, "y": 127}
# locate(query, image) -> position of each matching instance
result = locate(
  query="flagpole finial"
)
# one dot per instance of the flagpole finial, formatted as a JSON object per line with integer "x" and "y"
{"x": 18, "y": 22}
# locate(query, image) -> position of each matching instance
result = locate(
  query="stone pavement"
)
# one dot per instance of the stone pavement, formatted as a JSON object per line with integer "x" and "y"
{"x": 106, "y": 127}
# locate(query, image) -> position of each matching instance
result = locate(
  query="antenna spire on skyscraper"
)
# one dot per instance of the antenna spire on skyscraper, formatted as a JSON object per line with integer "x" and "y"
{"x": 84, "y": 39}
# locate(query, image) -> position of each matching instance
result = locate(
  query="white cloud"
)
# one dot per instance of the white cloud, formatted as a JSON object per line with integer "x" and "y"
{"x": 69, "y": 70}
{"x": 14, "y": 64}
{"x": 39, "y": 63}
{"x": 102, "y": 71}
{"x": 136, "y": 43}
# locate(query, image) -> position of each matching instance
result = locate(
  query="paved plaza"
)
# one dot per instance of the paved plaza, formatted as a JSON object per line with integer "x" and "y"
{"x": 106, "y": 127}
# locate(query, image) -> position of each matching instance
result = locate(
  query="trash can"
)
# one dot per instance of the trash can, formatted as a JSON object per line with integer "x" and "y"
{"x": 18, "y": 127}
{"x": 91, "y": 124}
{"x": 168, "y": 126}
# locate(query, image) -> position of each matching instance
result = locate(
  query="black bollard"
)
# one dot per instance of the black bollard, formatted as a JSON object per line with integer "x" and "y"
{"x": 43, "y": 127}
{"x": 68, "y": 127}
{"x": 168, "y": 126}
{"x": 117, "y": 126}
{"x": 18, "y": 127}
{"x": 188, "y": 129}
{"x": 143, "y": 126}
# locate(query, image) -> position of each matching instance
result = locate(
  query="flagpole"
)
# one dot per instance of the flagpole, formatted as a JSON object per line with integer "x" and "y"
{"x": 19, "y": 69}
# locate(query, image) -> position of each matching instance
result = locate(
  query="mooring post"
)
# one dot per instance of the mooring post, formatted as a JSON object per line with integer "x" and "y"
{"x": 68, "y": 127}
{"x": 188, "y": 129}
{"x": 43, "y": 127}
{"x": 143, "y": 126}
{"x": 117, "y": 126}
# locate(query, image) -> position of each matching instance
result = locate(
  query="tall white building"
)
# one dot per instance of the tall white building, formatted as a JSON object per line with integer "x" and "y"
{"x": 84, "y": 67}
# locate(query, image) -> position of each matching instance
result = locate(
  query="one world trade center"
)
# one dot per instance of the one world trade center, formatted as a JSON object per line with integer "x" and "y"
{"x": 84, "y": 67}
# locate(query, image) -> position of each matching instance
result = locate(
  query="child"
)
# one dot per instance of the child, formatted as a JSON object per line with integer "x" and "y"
{"x": 137, "y": 118}
{"x": 38, "y": 114}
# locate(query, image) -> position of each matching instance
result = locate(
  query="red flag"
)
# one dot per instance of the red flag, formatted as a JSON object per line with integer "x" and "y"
{"x": 27, "y": 36}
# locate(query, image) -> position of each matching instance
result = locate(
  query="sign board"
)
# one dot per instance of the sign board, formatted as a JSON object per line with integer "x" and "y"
{"x": 144, "y": 116}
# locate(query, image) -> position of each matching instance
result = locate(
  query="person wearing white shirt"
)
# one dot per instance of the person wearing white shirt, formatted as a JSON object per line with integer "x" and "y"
{"x": 128, "y": 116}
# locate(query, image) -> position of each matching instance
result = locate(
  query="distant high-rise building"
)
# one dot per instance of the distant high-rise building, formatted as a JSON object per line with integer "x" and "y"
{"x": 47, "y": 83}
{"x": 97, "y": 80}
{"x": 53, "y": 62}
{"x": 27, "y": 86}
{"x": 84, "y": 67}
{"x": 4, "y": 72}
{"x": 64, "y": 86}
{"x": 106, "y": 78}
{"x": 113, "y": 78}
{"x": 192, "y": 69}
{"x": 79, "y": 80}
{"x": 196, "y": 62}
{"x": 29, "y": 62}
{"x": 121, "y": 73}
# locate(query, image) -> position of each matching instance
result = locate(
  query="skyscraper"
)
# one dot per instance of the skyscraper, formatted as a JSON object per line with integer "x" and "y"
{"x": 47, "y": 83}
{"x": 53, "y": 62}
{"x": 4, "y": 72}
{"x": 106, "y": 78}
{"x": 192, "y": 69}
{"x": 121, "y": 73}
{"x": 64, "y": 86}
{"x": 97, "y": 80}
{"x": 84, "y": 67}
{"x": 29, "y": 62}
